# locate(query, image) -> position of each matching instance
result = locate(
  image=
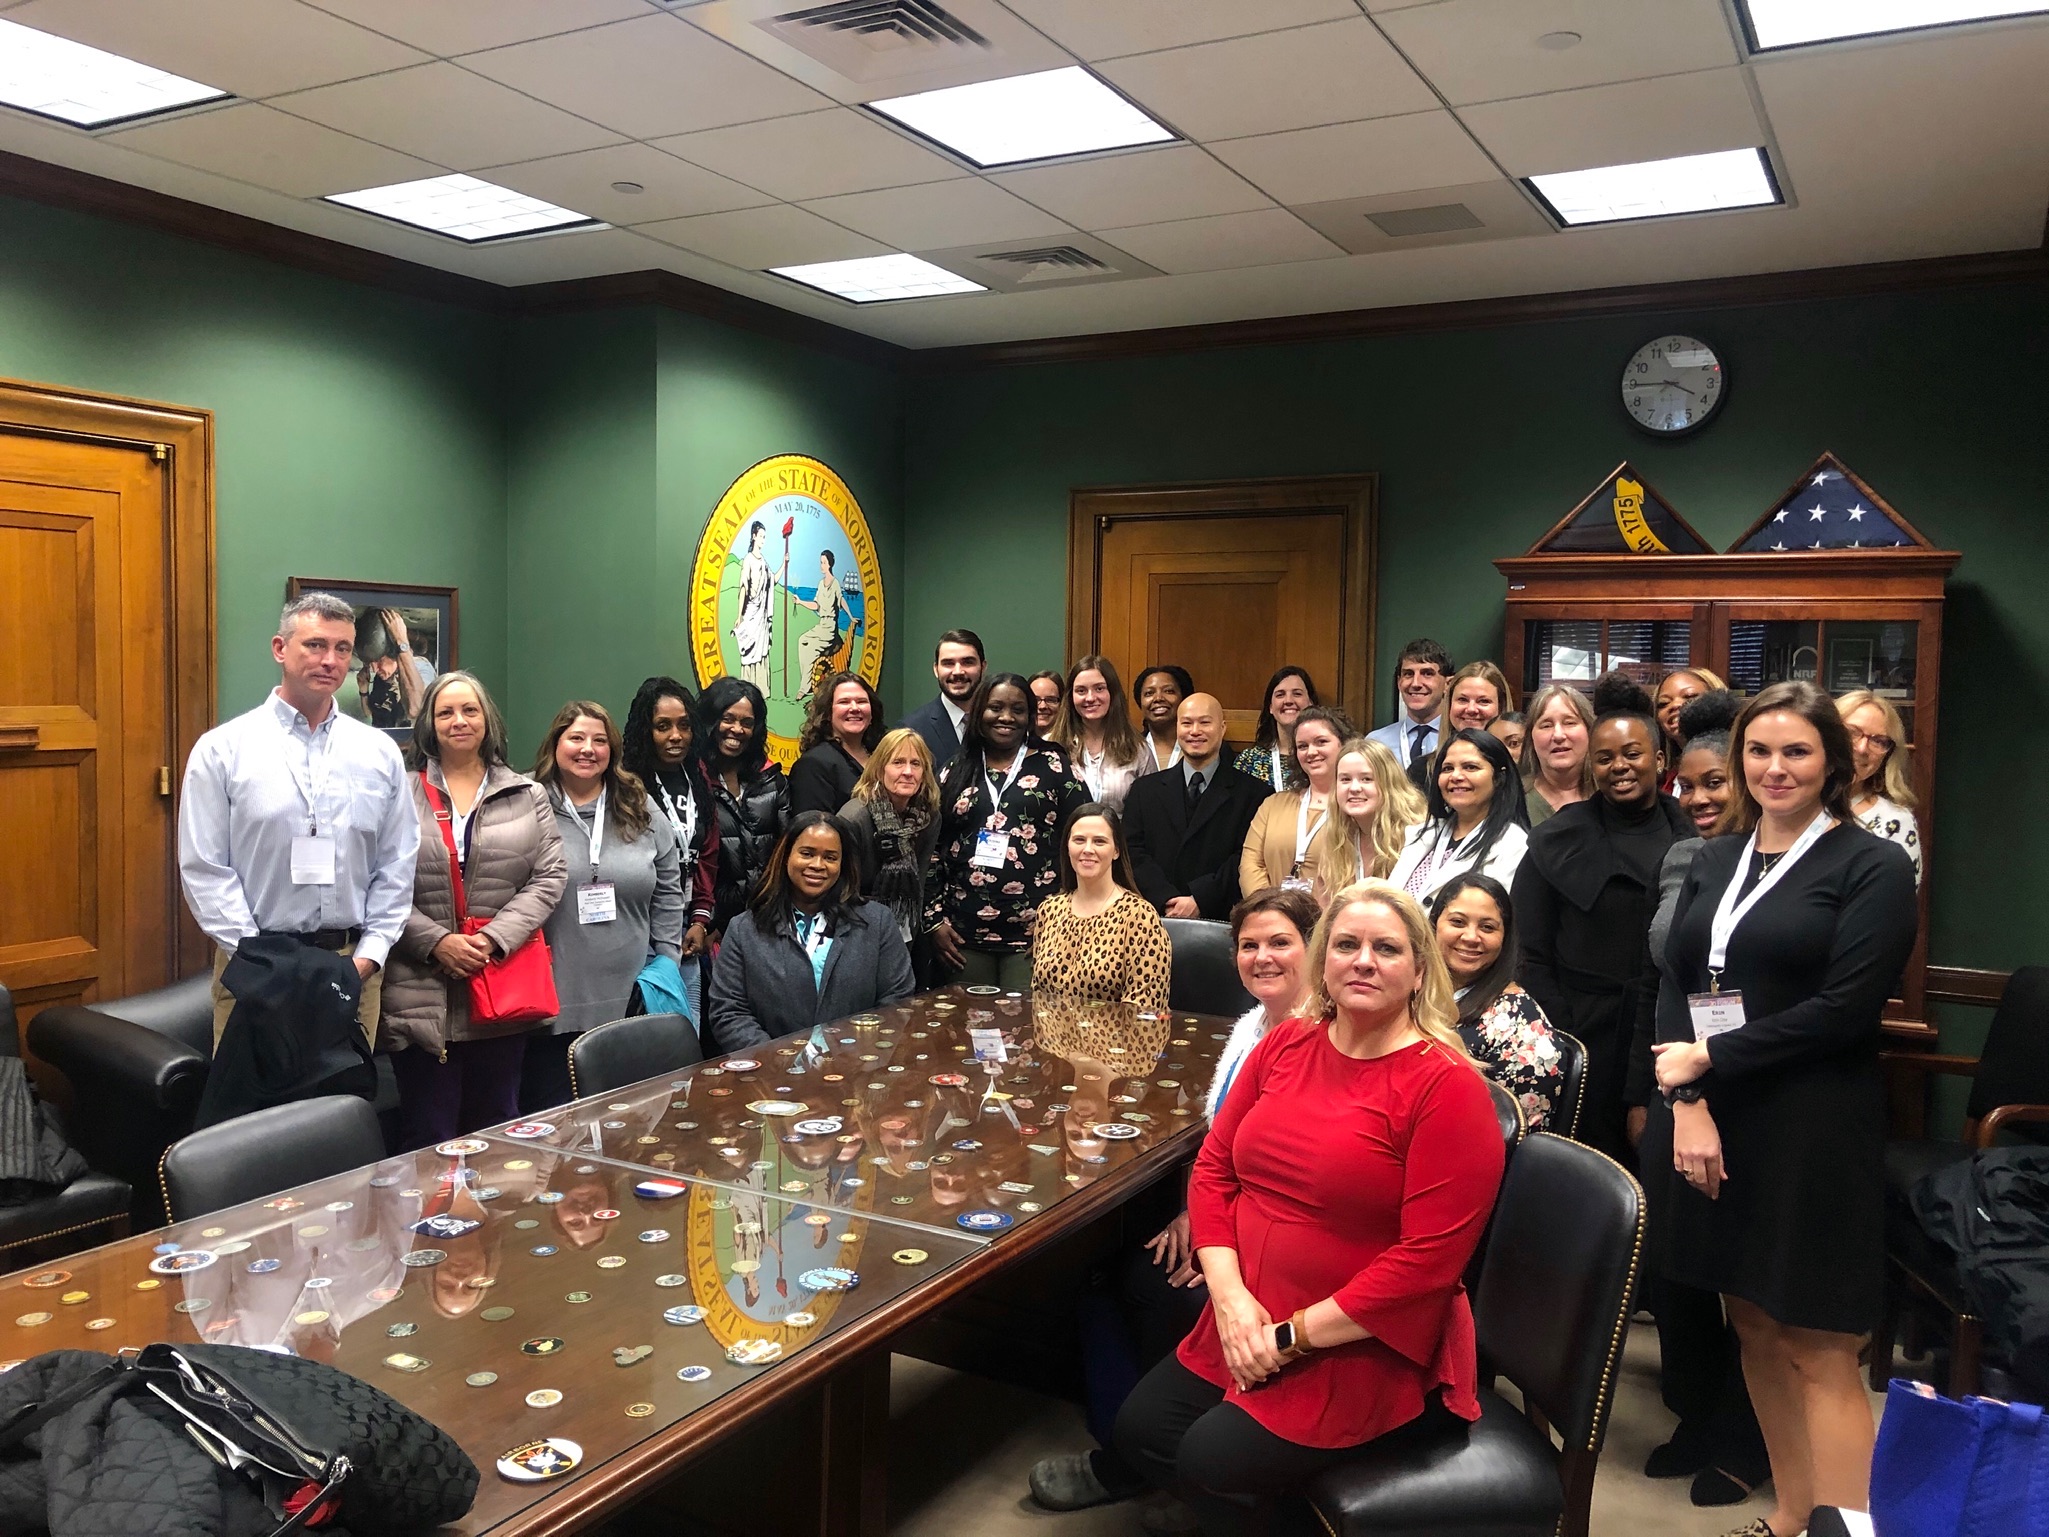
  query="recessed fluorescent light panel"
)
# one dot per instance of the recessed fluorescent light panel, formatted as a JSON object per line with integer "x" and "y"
{"x": 1026, "y": 117}
{"x": 872, "y": 279}
{"x": 55, "y": 77}
{"x": 464, "y": 208}
{"x": 1789, "y": 23}
{"x": 1658, "y": 189}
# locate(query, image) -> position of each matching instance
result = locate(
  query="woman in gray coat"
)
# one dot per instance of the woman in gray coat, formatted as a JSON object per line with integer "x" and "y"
{"x": 807, "y": 949}
{"x": 625, "y": 899}
{"x": 456, "y": 1073}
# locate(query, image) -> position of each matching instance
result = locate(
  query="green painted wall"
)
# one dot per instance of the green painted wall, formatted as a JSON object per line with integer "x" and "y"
{"x": 1483, "y": 439}
{"x": 358, "y": 433}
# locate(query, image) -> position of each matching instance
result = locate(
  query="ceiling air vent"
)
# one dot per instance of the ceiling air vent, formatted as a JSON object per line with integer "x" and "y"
{"x": 847, "y": 31}
{"x": 1438, "y": 219}
{"x": 1053, "y": 263}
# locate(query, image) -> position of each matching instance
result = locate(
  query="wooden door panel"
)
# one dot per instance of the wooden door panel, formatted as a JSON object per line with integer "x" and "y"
{"x": 1228, "y": 597}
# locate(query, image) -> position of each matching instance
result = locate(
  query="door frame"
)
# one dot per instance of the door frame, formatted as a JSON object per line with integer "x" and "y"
{"x": 182, "y": 437}
{"x": 1091, "y": 510}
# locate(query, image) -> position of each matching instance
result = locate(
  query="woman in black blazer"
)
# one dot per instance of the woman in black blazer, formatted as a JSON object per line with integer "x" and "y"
{"x": 842, "y": 724}
{"x": 1790, "y": 932}
{"x": 808, "y": 949}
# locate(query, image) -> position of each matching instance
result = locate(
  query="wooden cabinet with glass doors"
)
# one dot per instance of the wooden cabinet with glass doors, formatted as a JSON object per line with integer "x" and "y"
{"x": 1845, "y": 618}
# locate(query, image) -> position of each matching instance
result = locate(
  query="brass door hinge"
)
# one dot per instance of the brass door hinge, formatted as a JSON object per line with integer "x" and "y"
{"x": 160, "y": 452}
{"x": 164, "y": 780}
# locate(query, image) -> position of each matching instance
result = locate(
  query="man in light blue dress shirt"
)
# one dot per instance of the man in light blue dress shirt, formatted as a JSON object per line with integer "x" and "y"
{"x": 296, "y": 819}
{"x": 1421, "y": 676}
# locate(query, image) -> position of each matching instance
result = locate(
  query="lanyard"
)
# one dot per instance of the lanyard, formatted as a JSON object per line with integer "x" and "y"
{"x": 1729, "y": 912}
{"x": 996, "y": 794}
{"x": 1303, "y": 830}
{"x": 1274, "y": 756}
{"x": 597, "y": 827}
{"x": 312, "y": 782}
{"x": 685, "y": 821}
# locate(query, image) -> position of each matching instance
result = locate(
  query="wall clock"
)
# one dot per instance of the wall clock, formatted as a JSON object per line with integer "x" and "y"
{"x": 1673, "y": 385}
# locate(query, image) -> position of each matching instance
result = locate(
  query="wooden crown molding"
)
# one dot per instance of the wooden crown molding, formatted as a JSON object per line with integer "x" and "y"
{"x": 62, "y": 187}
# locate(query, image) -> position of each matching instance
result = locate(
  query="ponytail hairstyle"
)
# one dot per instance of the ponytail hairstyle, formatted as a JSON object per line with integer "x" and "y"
{"x": 1430, "y": 1006}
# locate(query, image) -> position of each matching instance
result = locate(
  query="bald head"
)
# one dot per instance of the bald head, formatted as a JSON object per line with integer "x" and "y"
{"x": 1199, "y": 727}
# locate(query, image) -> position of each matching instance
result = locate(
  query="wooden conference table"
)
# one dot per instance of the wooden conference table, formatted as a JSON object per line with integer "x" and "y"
{"x": 646, "y": 1272}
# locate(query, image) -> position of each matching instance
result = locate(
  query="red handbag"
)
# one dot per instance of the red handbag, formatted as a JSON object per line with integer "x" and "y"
{"x": 515, "y": 989}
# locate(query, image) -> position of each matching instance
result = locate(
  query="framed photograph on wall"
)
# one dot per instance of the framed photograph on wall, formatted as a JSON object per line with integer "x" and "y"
{"x": 405, "y": 638}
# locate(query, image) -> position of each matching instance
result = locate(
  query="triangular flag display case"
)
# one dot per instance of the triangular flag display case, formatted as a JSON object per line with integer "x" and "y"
{"x": 1623, "y": 581}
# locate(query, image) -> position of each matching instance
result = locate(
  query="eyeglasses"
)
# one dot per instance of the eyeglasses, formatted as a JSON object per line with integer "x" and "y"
{"x": 1882, "y": 743}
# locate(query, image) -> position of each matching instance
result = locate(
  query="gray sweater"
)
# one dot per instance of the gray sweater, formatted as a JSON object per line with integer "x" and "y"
{"x": 596, "y": 963}
{"x": 762, "y": 988}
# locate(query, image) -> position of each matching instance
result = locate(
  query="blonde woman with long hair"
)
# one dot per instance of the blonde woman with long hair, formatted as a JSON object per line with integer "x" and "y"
{"x": 893, "y": 820}
{"x": 1882, "y": 799}
{"x": 1373, "y": 807}
{"x": 1342, "y": 1189}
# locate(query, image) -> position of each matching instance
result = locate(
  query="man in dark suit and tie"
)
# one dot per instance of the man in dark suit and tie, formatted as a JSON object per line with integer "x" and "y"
{"x": 1186, "y": 825}
{"x": 957, "y": 664}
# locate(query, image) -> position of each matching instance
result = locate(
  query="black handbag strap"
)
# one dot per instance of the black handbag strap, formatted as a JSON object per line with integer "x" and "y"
{"x": 30, "y": 1418}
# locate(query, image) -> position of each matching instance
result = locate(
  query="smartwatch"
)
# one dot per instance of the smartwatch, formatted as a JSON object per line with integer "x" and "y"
{"x": 1284, "y": 1337}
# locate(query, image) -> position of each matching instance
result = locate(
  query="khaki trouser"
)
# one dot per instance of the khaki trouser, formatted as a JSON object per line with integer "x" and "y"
{"x": 366, "y": 1010}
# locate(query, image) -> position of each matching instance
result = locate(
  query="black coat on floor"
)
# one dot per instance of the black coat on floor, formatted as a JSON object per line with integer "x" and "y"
{"x": 1174, "y": 854}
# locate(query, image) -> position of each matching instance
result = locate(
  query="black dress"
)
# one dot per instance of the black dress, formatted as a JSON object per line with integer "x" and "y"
{"x": 823, "y": 779}
{"x": 1796, "y": 1093}
{"x": 1584, "y": 895}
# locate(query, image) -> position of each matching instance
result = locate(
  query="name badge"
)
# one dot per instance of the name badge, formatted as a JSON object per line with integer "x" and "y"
{"x": 313, "y": 861}
{"x": 1714, "y": 1013}
{"x": 991, "y": 849}
{"x": 988, "y": 1045}
{"x": 596, "y": 903}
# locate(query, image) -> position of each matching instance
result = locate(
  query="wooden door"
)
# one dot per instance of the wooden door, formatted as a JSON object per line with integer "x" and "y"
{"x": 95, "y": 706}
{"x": 1230, "y": 582}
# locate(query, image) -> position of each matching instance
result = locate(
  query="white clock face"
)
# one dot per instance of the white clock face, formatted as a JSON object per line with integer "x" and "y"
{"x": 1672, "y": 384}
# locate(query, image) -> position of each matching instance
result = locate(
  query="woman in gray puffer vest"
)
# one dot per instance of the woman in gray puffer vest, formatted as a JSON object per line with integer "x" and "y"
{"x": 456, "y": 1073}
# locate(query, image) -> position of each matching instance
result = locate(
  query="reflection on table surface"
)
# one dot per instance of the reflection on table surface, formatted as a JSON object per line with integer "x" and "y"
{"x": 890, "y": 1113}
{"x": 709, "y": 1224}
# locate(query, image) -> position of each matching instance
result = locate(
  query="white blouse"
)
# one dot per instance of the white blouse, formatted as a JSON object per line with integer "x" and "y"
{"x": 1428, "y": 846}
{"x": 1895, "y": 823}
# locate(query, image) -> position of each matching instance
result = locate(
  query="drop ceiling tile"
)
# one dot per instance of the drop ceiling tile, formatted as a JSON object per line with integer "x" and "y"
{"x": 273, "y": 149}
{"x": 448, "y": 27}
{"x": 646, "y": 78}
{"x": 1389, "y": 154}
{"x": 1618, "y": 124}
{"x": 1151, "y": 186}
{"x": 1333, "y": 73}
{"x": 448, "y": 115}
{"x": 1093, "y": 29}
{"x": 1427, "y": 216}
{"x": 815, "y": 154}
{"x": 671, "y": 189}
{"x": 1258, "y": 239}
{"x": 251, "y": 50}
{"x": 1485, "y": 50}
{"x": 939, "y": 214}
{"x": 759, "y": 238}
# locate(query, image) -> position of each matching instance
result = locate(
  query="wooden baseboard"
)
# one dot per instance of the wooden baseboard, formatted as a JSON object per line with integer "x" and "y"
{"x": 1964, "y": 984}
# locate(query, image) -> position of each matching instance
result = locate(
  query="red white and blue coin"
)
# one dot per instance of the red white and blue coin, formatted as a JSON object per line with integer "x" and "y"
{"x": 985, "y": 1221}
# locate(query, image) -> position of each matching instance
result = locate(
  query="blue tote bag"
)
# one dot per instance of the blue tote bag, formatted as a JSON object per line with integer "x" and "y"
{"x": 1979, "y": 1468}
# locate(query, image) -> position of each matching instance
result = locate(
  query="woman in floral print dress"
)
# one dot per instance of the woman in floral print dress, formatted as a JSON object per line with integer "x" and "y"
{"x": 1502, "y": 1026}
{"x": 1002, "y": 804}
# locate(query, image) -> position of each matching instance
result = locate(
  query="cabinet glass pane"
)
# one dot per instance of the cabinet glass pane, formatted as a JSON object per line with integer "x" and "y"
{"x": 1647, "y": 649}
{"x": 1765, "y": 651}
{"x": 1560, "y": 651}
{"x": 1876, "y": 654}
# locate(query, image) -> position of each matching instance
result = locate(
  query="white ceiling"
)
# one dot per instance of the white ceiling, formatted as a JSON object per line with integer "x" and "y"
{"x": 1298, "y": 121}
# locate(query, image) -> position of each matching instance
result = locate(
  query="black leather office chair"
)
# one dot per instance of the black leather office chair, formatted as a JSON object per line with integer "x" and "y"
{"x": 628, "y": 1050}
{"x": 1204, "y": 979}
{"x": 2009, "y": 1092}
{"x": 1572, "y": 1084}
{"x": 1553, "y": 1308}
{"x": 182, "y": 1011}
{"x": 91, "y": 1209}
{"x": 266, "y": 1151}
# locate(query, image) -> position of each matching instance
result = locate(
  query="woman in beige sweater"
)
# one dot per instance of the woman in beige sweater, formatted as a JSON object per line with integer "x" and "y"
{"x": 1280, "y": 846}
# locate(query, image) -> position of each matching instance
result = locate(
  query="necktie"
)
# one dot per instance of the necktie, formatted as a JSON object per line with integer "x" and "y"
{"x": 1194, "y": 792}
{"x": 1416, "y": 735}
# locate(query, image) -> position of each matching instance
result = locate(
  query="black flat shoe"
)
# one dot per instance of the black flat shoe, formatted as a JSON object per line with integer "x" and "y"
{"x": 1681, "y": 1457}
{"x": 1718, "y": 1486}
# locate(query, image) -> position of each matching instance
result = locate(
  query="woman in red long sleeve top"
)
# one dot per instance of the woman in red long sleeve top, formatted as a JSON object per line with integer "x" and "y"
{"x": 1335, "y": 1203}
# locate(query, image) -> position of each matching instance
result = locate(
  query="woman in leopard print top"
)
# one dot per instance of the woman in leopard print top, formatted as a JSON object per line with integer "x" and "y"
{"x": 1099, "y": 938}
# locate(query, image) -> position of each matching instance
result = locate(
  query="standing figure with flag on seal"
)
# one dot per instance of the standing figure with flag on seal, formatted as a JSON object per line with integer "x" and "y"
{"x": 754, "y": 629}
